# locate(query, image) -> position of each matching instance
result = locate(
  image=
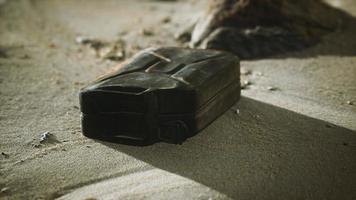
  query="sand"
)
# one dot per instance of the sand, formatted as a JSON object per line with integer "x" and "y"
{"x": 295, "y": 142}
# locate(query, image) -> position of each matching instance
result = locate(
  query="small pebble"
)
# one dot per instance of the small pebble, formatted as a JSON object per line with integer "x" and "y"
{"x": 78, "y": 83}
{"x": 88, "y": 146}
{"x": 245, "y": 71}
{"x": 245, "y": 84}
{"x": 44, "y": 136}
{"x": 90, "y": 198}
{"x": 83, "y": 40}
{"x": 136, "y": 47}
{"x": 5, "y": 190}
{"x": 350, "y": 103}
{"x": 115, "y": 55}
{"x": 166, "y": 20}
{"x": 26, "y": 56}
{"x": 259, "y": 73}
{"x": 5, "y": 154}
{"x": 146, "y": 32}
{"x": 183, "y": 36}
{"x": 122, "y": 33}
{"x": 52, "y": 45}
{"x": 271, "y": 88}
{"x": 237, "y": 111}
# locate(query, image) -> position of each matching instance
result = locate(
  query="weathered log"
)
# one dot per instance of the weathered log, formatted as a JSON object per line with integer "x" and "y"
{"x": 260, "y": 28}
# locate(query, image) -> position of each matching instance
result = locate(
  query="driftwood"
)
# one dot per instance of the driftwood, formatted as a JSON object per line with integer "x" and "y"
{"x": 259, "y": 28}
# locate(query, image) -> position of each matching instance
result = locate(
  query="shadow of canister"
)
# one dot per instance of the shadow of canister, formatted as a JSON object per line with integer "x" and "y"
{"x": 263, "y": 152}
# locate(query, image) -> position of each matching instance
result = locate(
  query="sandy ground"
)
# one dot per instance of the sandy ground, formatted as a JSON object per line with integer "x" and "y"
{"x": 297, "y": 142}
